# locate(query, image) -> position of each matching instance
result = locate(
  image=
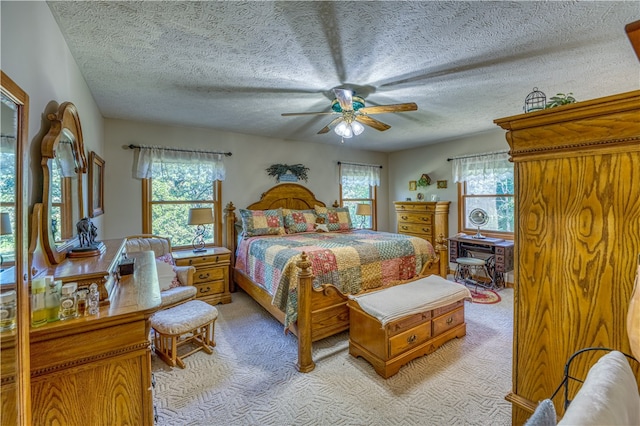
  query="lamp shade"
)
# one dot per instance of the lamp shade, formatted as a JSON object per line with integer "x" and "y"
{"x": 5, "y": 224}
{"x": 363, "y": 210}
{"x": 200, "y": 216}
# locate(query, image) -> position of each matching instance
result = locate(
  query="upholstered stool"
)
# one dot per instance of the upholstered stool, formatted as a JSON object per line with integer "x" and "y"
{"x": 192, "y": 321}
{"x": 469, "y": 269}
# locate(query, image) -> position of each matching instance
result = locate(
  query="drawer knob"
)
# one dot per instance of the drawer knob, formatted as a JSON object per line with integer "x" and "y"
{"x": 426, "y": 230}
{"x": 190, "y": 261}
{"x": 203, "y": 276}
{"x": 412, "y": 338}
{"x": 404, "y": 217}
{"x": 405, "y": 227}
{"x": 449, "y": 320}
{"x": 205, "y": 290}
{"x": 424, "y": 218}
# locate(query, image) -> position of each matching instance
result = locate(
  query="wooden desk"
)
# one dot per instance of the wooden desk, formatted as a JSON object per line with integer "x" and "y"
{"x": 500, "y": 253}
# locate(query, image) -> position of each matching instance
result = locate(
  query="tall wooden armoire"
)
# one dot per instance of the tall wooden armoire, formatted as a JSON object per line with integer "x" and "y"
{"x": 577, "y": 238}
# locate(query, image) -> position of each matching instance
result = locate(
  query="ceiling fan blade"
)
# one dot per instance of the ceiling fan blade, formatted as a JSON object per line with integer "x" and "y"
{"x": 372, "y": 122}
{"x": 287, "y": 114}
{"x": 411, "y": 106}
{"x": 345, "y": 99}
{"x": 326, "y": 128}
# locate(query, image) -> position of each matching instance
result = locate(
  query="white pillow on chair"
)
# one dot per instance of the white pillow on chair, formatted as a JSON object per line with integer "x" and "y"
{"x": 167, "y": 277}
{"x": 608, "y": 396}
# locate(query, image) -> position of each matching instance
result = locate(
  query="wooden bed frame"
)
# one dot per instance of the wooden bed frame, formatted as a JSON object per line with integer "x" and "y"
{"x": 322, "y": 312}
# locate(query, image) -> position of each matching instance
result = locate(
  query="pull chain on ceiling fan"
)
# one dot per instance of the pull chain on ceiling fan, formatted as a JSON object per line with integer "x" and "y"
{"x": 353, "y": 114}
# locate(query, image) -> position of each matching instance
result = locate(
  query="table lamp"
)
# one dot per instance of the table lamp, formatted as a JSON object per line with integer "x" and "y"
{"x": 200, "y": 216}
{"x": 5, "y": 229}
{"x": 363, "y": 210}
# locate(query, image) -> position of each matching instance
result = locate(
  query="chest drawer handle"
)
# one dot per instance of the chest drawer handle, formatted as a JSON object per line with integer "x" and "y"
{"x": 190, "y": 261}
{"x": 425, "y": 219}
{"x": 412, "y": 338}
{"x": 203, "y": 290}
{"x": 449, "y": 320}
{"x": 405, "y": 227}
{"x": 203, "y": 276}
{"x": 404, "y": 217}
{"x": 426, "y": 229}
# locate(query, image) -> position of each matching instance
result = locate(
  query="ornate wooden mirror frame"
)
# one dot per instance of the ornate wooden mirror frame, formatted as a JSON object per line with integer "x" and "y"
{"x": 65, "y": 134}
{"x": 14, "y": 344}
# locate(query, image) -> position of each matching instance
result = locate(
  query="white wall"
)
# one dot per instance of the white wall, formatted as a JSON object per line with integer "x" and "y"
{"x": 246, "y": 176}
{"x": 408, "y": 165}
{"x": 36, "y": 57}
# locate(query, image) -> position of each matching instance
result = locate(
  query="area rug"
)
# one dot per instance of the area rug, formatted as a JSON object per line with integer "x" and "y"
{"x": 251, "y": 379}
{"x": 484, "y": 296}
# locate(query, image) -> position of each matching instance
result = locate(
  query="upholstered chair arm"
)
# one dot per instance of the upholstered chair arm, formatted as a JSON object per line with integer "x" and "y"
{"x": 185, "y": 274}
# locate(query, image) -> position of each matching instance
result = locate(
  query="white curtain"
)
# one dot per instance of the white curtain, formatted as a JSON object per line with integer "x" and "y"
{"x": 360, "y": 174}
{"x": 147, "y": 156}
{"x": 481, "y": 166}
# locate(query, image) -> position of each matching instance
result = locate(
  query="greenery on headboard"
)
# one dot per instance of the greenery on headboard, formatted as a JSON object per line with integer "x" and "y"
{"x": 298, "y": 170}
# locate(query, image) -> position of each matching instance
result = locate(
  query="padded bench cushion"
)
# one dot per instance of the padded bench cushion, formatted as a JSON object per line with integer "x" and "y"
{"x": 184, "y": 317}
{"x": 424, "y": 294}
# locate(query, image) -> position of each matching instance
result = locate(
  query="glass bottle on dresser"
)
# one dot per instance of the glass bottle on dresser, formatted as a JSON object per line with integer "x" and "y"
{"x": 68, "y": 307}
{"x": 38, "y": 309}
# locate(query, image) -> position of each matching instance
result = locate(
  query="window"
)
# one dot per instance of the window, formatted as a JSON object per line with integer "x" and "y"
{"x": 485, "y": 181}
{"x": 175, "y": 184}
{"x": 358, "y": 184}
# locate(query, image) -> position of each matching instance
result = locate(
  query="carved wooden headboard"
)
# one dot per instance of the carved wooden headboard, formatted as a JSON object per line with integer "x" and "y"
{"x": 285, "y": 195}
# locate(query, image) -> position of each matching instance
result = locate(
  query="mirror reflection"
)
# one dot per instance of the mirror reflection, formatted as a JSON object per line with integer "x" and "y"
{"x": 65, "y": 205}
{"x": 8, "y": 141}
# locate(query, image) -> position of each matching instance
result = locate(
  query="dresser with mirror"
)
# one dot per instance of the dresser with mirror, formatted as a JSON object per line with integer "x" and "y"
{"x": 91, "y": 369}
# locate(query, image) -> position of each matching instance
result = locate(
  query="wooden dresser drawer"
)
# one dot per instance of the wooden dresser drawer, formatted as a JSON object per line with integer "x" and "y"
{"x": 207, "y": 274}
{"x": 421, "y": 218}
{"x": 210, "y": 288}
{"x": 439, "y": 311}
{"x": 209, "y": 259}
{"x": 403, "y": 324}
{"x": 447, "y": 321}
{"x": 411, "y": 338}
{"x": 407, "y": 228}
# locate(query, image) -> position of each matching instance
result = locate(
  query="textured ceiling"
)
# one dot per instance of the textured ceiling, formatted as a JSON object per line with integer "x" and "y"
{"x": 236, "y": 66}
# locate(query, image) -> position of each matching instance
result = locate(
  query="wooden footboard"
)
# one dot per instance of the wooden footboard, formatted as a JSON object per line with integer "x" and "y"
{"x": 323, "y": 311}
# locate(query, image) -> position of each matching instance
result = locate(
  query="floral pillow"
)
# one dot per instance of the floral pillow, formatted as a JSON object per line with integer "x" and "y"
{"x": 167, "y": 277}
{"x": 262, "y": 222}
{"x": 299, "y": 220}
{"x": 336, "y": 218}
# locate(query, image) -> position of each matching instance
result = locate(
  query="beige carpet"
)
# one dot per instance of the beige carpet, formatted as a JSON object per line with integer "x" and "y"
{"x": 251, "y": 378}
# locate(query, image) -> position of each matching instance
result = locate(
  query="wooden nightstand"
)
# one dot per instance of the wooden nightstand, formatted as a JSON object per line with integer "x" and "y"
{"x": 212, "y": 272}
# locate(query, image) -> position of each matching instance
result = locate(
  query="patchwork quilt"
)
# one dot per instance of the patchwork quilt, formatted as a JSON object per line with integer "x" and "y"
{"x": 351, "y": 261}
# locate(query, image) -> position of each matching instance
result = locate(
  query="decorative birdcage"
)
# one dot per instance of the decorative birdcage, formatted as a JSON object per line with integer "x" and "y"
{"x": 535, "y": 101}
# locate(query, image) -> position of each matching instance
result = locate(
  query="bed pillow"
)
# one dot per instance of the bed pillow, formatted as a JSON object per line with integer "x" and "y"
{"x": 336, "y": 218}
{"x": 262, "y": 222}
{"x": 299, "y": 220}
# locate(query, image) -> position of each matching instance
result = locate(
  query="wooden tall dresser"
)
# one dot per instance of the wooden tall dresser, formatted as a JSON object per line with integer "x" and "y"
{"x": 423, "y": 219}
{"x": 577, "y": 238}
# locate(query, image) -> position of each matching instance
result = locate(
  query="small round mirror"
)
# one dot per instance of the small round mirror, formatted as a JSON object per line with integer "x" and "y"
{"x": 478, "y": 217}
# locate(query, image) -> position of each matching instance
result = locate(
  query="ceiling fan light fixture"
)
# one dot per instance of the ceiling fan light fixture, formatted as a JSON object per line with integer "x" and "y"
{"x": 357, "y": 128}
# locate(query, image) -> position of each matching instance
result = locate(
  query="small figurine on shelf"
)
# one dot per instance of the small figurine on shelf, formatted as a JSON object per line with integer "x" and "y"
{"x": 87, "y": 243}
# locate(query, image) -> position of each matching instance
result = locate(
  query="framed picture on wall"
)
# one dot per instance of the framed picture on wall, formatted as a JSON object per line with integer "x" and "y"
{"x": 96, "y": 185}
{"x": 413, "y": 185}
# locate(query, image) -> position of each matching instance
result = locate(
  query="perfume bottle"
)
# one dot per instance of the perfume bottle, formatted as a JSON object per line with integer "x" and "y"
{"x": 38, "y": 309}
{"x": 68, "y": 307}
{"x": 8, "y": 310}
{"x": 94, "y": 299}
{"x": 52, "y": 300}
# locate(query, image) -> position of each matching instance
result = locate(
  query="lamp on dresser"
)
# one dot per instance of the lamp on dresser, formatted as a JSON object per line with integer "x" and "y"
{"x": 200, "y": 216}
{"x": 363, "y": 210}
